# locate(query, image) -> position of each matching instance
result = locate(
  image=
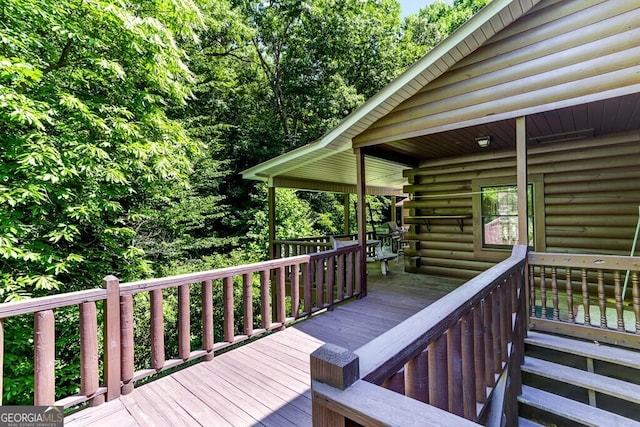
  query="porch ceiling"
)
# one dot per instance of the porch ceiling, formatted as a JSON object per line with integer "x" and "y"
{"x": 331, "y": 170}
{"x": 612, "y": 115}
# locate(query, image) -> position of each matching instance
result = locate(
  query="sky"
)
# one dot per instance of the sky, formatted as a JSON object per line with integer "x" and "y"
{"x": 409, "y": 7}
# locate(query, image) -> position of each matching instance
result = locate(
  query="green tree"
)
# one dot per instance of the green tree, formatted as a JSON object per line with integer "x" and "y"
{"x": 84, "y": 92}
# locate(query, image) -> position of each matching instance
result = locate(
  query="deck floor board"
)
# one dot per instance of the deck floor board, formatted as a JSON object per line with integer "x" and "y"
{"x": 267, "y": 382}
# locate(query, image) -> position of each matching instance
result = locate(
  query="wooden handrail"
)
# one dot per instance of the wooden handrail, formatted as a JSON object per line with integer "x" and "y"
{"x": 450, "y": 355}
{"x": 320, "y": 280}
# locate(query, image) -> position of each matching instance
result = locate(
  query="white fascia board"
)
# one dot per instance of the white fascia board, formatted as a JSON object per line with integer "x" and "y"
{"x": 340, "y": 133}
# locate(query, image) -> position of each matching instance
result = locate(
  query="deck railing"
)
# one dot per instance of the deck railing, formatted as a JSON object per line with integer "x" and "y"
{"x": 289, "y": 288}
{"x": 589, "y": 296}
{"x": 307, "y": 245}
{"x": 453, "y": 363}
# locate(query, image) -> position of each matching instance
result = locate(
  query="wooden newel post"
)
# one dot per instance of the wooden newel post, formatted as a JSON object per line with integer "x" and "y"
{"x": 336, "y": 367}
{"x": 112, "y": 337}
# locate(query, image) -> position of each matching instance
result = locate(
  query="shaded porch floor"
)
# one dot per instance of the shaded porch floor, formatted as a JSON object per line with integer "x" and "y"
{"x": 267, "y": 382}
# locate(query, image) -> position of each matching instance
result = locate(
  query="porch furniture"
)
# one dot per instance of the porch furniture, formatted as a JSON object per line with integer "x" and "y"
{"x": 379, "y": 254}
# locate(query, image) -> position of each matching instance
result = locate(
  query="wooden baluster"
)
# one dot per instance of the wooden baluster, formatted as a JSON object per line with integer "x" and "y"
{"x": 227, "y": 306}
{"x": 478, "y": 354}
{"x": 554, "y": 293}
{"x": 617, "y": 291}
{"x": 438, "y": 381}
{"x": 497, "y": 331}
{"x": 543, "y": 293}
{"x": 350, "y": 269}
{"x": 281, "y": 313}
{"x": 157, "y": 330}
{"x": 416, "y": 377}
{"x": 320, "y": 281}
{"x": 331, "y": 279}
{"x": 287, "y": 251}
{"x": 341, "y": 277}
{"x": 468, "y": 367}
{"x": 454, "y": 368}
{"x": 505, "y": 321}
{"x": 636, "y": 298}
{"x": 247, "y": 303}
{"x": 184, "y": 323}
{"x": 572, "y": 317}
{"x": 44, "y": 358}
{"x": 207, "y": 320}
{"x": 532, "y": 291}
{"x": 507, "y": 328}
{"x": 585, "y": 297}
{"x": 602, "y": 300}
{"x": 89, "y": 376}
{"x": 127, "y": 367}
{"x": 307, "y": 282}
{"x": 397, "y": 381}
{"x": 1, "y": 360}
{"x": 295, "y": 291}
{"x": 513, "y": 291}
{"x": 112, "y": 371}
{"x": 487, "y": 326}
{"x": 265, "y": 300}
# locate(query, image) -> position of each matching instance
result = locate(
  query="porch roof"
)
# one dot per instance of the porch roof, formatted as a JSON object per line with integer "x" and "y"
{"x": 329, "y": 163}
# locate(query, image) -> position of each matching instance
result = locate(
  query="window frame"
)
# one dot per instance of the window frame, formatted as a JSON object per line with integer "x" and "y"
{"x": 539, "y": 234}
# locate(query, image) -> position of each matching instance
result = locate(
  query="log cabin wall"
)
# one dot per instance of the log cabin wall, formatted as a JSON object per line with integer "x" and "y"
{"x": 590, "y": 202}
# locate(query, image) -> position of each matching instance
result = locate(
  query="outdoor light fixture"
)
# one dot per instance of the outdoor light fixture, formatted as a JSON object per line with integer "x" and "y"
{"x": 483, "y": 141}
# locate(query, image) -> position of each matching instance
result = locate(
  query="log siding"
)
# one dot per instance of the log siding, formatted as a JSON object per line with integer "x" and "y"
{"x": 590, "y": 201}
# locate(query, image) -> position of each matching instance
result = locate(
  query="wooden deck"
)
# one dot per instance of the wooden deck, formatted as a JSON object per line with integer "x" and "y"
{"x": 267, "y": 382}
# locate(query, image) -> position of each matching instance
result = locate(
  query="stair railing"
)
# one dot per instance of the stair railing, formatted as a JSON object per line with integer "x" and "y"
{"x": 581, "y": 295}
{"x": 456, "y": 362}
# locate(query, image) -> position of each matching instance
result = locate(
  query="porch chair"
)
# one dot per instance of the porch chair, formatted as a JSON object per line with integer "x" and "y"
{"x": 397, "y": 238}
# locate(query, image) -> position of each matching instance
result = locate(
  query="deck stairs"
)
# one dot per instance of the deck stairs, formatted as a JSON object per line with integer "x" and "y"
{"x": 570, "y": 382}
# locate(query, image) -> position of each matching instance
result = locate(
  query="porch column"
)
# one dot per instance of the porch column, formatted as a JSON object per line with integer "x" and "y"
{"x": 362, "y": 219}
{"x": 272, "y": 220}
{"x": 393, "y": 210}
{"x": 521, "y": 170}
{"x": 347, "y": 218}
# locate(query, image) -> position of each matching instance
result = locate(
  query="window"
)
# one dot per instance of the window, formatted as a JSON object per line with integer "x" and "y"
{"x": 499, "y": 213}
{"x": 495, "y": 216}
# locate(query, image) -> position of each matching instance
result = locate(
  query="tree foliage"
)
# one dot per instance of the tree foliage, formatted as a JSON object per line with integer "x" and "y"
{"x": 124, "y": 126}
{"x": 84, "y": 92}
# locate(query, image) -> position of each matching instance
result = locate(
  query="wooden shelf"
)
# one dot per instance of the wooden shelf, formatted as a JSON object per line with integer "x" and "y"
{"x": 426, "y": 219}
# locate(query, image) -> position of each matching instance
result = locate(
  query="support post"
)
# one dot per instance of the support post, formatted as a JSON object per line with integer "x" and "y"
{"x": 394, "y": 214}
{"x": 362, "y": 219}
{"x": 272, "y": 221}
{"x": 347, "y": 213}
{"x": 521, "y": 168}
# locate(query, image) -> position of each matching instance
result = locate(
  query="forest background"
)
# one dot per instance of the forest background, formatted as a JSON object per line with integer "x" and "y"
{"x": 124, "y": 126}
